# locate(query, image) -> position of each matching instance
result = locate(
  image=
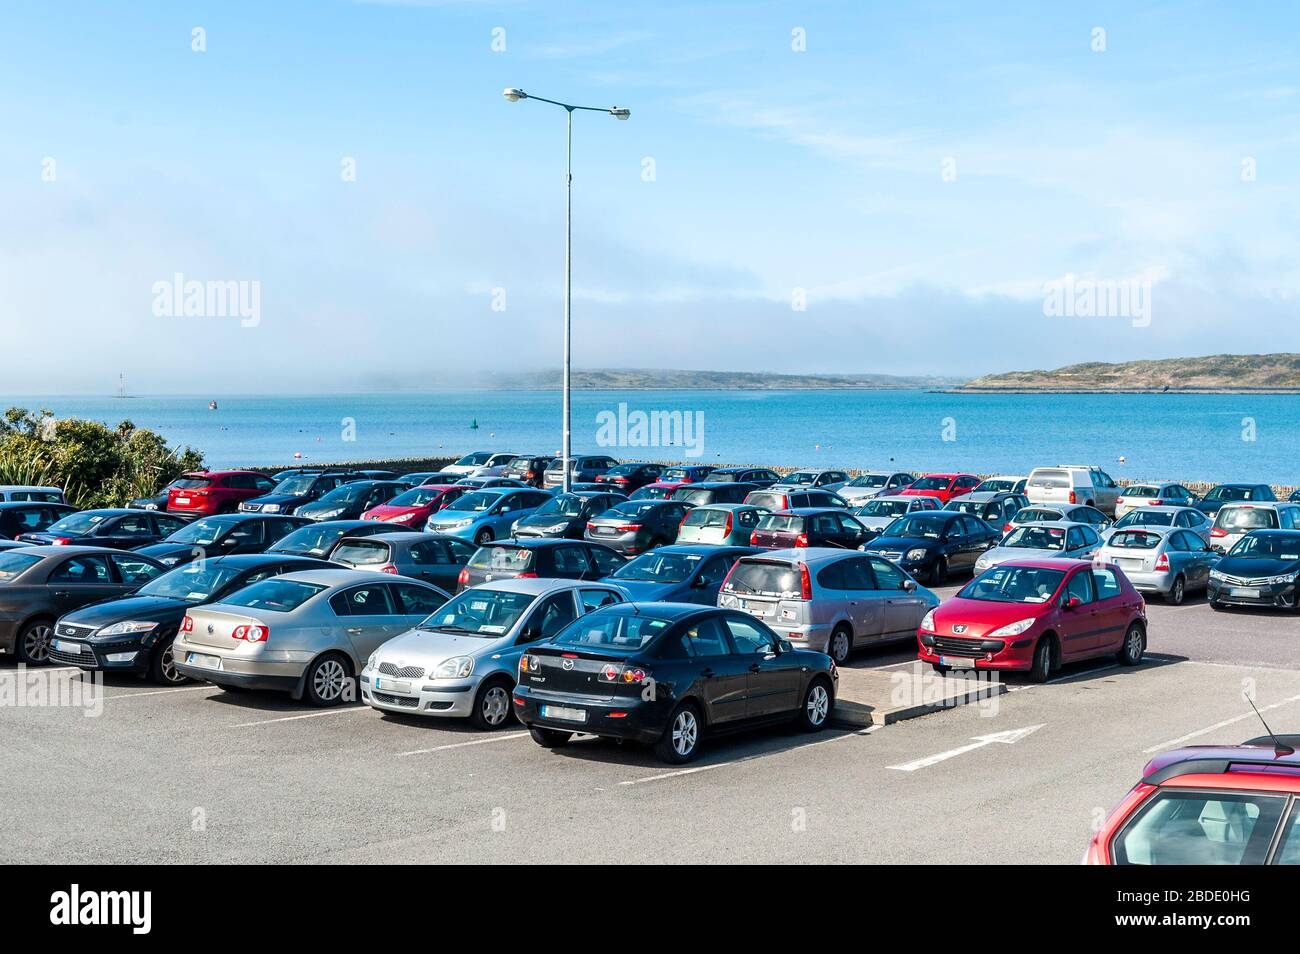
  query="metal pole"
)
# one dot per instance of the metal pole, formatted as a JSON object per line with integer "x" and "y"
{"x": 568, "y": 281}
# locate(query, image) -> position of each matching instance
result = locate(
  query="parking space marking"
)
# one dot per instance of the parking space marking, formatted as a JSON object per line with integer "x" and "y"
{"x": 303, "y": 715}
{"x": 1010, "y": 737}
{"x": 155, "y": 692}
{"x": 748, "y": 758}
{"x": 461, "y": 745}
{"x": 1173, "y": 743}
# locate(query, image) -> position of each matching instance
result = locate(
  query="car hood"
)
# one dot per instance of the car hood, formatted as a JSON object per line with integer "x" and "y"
{"x": 316, "y": 506}
{"x": 981, "y": 617}
{"x": 427, "y": 648}
{"x": 546, "y": 521}
{"x": 158, "y": 608}
{"x": 387, "y": 512}
{"x": 1254, "y": 569}
{"x": 161, "y": 551}
{"x": 644, "y": 591}
{"x": 876, "y": 523}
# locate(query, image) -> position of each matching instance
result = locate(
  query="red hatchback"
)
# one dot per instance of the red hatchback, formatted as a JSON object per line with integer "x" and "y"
{"x": 1035, "y": 615}
{"x": 1209, "y": 805}
{"x": 415, "y": 506}
{"x": 204, "y": 493}
{"x": 942, "y": 487}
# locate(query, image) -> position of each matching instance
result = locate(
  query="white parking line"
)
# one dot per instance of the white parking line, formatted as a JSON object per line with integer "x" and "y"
{"x": 461, "y": 745}
{"x": 156, "y": 692}
{"x": 304, "y": 715}
{"x": 748, "y": 758}
{"x": 1172, "y": 743}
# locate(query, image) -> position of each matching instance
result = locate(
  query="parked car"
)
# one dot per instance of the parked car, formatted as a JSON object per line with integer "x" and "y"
{"x": 1158, "y": 494}
{"x": 431, "y": 557}
{"x": 318, "y": 539}
{"x": 28, "y": 493}
{"x": 1234, "y": 521}
{"x": 469, "y": 463}
{"x": 565, "y": 515}
{"x": 822, "y": 479}
{"x": 1188, "y": 518}
{"x": 38, "y": 584}
{"x": 828, "y": 600}
{"x": 635, "y": 526}
{"x": 809, "y": 527}
{"x": 629, "y": 477}
{"x": 933, "y": 545}
{"x": 375, "y": 474}
{"x": 583, "y": 468}
{"x": 305, "y": 633}
{"x": 203, "y": 493}
{"x": 1261, "y": 569}
{"x": 296, "y": 490}
{"x": 414, "y": 507}
{"x": 529, "y": 469}
{"x": 758, "y": 476}
{"x": 659, "y": 490}
{"x": 350, "y": 500}
{"x": 494, "y": 466}
{"x": 1222, "y": 494}
{"x": 19, "y": 517}
{"x": 720, "y": 524}
{"x": 1169, "y": 561}
{"x": 681, "y": 474}
{"x": 538, "y": 557}
{"x": 942, "y": 487}
{"x": 712, "y": 669}
{"x": 463, "y": 660}
{"x": 1075, "y": 541}
{"x": 134, "y": 633}
{"x": 679, "y": 573}
{"x": 1208, "y": 805}
{"x": 776, "y": 498}
{"x": 425, "y": 478}
{"x": 486, "y": 515}
{"x": 1068, "y": 513}
{"x": 222, "y": 535}
{"x": 488, "y": 483}
{"x": 1073, "y": 484}
{"x": 879, "y": 512}
{"x": 119, "y": 528}
{"x": 713, "y": 492}
{"x": 1035, "y": 616}
{"x": 875, "y": 483}
{"x": 158, "y": 501}
{"x": 1002, "y": 484}
{"x": 996, "y": 508}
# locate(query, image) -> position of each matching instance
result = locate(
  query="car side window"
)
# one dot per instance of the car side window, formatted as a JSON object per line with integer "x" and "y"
{"x": 1106, "y": 581}
{"x": 553, "y": 615}
{"x": 416, "y": 600}
{"x": 82, "y": 570}
{"x": 749, "y": 638}
{"x": 831, "y": 577}
{"x": 1200, "y": 828}
{"x": 857, "y": 574}
{"x": 1074, "y": 539}
{"x": 133, "y": 570}
{"x": 595, "y": 599}
{"x": 372, "y": 599}
{"x": 248, "y": 532}
{"x": 607, "y": 561}
{"x": 888, "y": 576}
{"x": 747, "y": 518}
{"x": 1079, "y": 587}
{"x": 715, "y": 571}
{"x": 705, "y": 638}
{"x": 571, "y": 559}
{"x": 133, "y": 527}
{"x": 167, "y": 525}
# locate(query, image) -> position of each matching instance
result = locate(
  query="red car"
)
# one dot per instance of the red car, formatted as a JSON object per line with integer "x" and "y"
{"x": 1033, "y": 616}
{"x": 942, "y": 487}
{"x": 1209, "y": 805}
{"x": 414, "y": 507}
{"x": 671, "y": 479}
{"x": 206, "y": 492}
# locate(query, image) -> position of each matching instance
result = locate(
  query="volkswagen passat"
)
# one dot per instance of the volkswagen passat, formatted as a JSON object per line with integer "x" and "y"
{"x": 665, "y": 674}
{"x": 462, "y": 661}
{"x": 302, "y": 633}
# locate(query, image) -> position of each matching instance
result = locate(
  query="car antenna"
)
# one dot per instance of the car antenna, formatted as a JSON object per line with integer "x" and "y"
{"x": 1280, "y": 748}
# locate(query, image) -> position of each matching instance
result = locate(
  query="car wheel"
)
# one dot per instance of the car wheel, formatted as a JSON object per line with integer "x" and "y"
{"x": 33, "y": 643}
{"x": 1041, "y": 670}
{"x": 681, "y": 740}
{"x": 1217, "y": 606}
{"x": 1177, "y": 593}
{"x": 328, "y": 681}
{"x": 483, "y": 536}
{"x": 939, "y": 572}
{"x": 549, "y": 738}
{"x": 492, "y": 705}
{"x": 941, "y": 670}
{"x": 1135, "y": 644}
{"x": 840, "y": 646}
{"x": 162, "y": 667}
{"x": 818, "y": 702}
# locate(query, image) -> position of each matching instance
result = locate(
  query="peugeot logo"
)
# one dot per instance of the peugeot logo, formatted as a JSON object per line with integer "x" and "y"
{"x": 959, "y": 627}
{"x": 567, "y": 664}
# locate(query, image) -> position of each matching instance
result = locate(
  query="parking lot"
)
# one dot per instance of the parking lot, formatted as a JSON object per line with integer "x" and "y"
{"x": 195, "y": 774}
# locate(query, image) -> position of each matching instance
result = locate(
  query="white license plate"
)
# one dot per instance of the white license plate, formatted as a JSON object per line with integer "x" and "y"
{"x": 182, "y": 500}
{"x": 401, "y": 686}
{"x": 564, "y": 713}
{"x": 203, "y": 661}
{"x": 75, "y": 649}
{"x": 760, "y": 609}
{"x": 1247, "y": 592}
{"x": 957, "y": 662}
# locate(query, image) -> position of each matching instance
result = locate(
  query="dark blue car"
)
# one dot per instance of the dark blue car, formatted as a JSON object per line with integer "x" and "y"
{"x": 682, "y": 573}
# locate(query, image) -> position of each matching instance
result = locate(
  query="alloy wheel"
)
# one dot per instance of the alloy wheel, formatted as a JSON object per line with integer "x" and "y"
{"x": 686, "y": 732}
{"x": 329, "y": 680}
{"x": 840, "y": 647}
{"x": 36, "y": 643}
{"x": 167, "y": 663}
{"x": 819, "y": 704}
{"x": 1134, "y": 647}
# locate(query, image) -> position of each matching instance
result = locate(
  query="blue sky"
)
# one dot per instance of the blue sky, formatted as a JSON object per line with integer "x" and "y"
{"x": 775, "y": 169}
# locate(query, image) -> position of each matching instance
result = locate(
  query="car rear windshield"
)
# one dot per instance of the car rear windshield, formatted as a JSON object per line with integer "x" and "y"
{"x": 932, "y": 483}
{"x": 13, "y": 563}
{"x": 630, "y": 508}
{"x": 677, "y": 473}
{"x": 362, "y": 552}
{"x": 1014, "y": 584}
{"x": 801, "y": 477}
{"x": 782, "y": 523}
{"x": 1267, "y": 548}
{"x": 998, "y": 486}
{"x": 1037, "y": 515}
{"x": 1137, "y": 490}
{"x": 703, "y": 517}
{"x": 1133, "y": 540}
{"x": 1146, "y": 518}
{"x": 504, "y": 557}
{"x": 1231, "y": 493}
{"x": 1036, "y": 538}
{"x": 1246, "y": 518}
{"x": 611, "y": 632}
{"x": 77, "y": 523}
{"x": 976, "y": 507}
{"x": 276, "y": 596}
{"x": 763, "y": 578}
{"x": 694, "y": 496}
{"x": 1050, "y": 479}
{"x": 191, "y": 483}
{"x": 480, "y": 458}
{"x": 769, "y": 500}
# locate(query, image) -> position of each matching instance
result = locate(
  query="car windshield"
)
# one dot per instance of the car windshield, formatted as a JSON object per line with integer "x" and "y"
{"x": 562, "y": 505}
{"x": 362, "y": 552}
{"x": 869, "y": 480}
{"x": 474, "y": 502}
{"x": 314, "y": 540}
{"x": 1139, "y": 490}
{"x": 191, "y": 483}
{"x": 781, "y": 523}
{"x": 1267, "y": 547}
{"x": 696, "y": 496}
{"x": 706, "y": 517}
{"x": 611, "y": 631}
{"x": 416, "y": 497}
{"x": 725, "y": 476}
{"x": 193, "y": 582}
{"x": 1050, "y": 479}
{"x": 478, "y": 612}
{"x": 1244, "y": 518}
{"x": 1014, "y": 584}
{"x": 1036, "y": 538}
{"x": 623, "y": 470}
{"x": 883, "y": 508}
{"x": 800, "y": 477}
{"x": 295, "y": 486}
{"x": 932, "y": 483}
{"x": 677, "y": 473}
{"x": 1134, "y": 540}
{"x": 505, "y": 557}
{"x": 659, "y": 567}
{"x": 998, "y": 486}
{"x": 629, "y": 508}
{"x": 347, "y": 493}
{"x": 926, "y": 528}
{"x": 201, "y": 532}
{"x": 82, "y": 522}
{"x": 13, "y": 562}
{"x": 276, "y": 596}
{"x": 1231, "y": 493}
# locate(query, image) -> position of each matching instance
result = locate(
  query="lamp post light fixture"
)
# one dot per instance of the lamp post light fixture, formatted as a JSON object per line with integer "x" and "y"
{"x": 618, "y": 112}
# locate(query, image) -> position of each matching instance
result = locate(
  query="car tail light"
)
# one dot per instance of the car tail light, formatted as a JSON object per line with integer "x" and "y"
{"x": 1162, "y": 562}
{"x": 531, "y": 475}
{"x": 1218, "y": 532}
{"x": 1074, "y": 498}
{"x": 388, "y": 568}
{"x": 1155, "y": 501}
{"x": 252, "y": 634}
{"x": 62, "y": 541}
{"x": 726, "y": 530}
{"x": 1006, "y": 527}
{"x": 527, "y": 575}
{"x": 187, "y": 624}
{"x": 463, "y": 577}
{"x": 627, "y": 675}
{"x": 591, "y": 526}
{"x": 801, "y": 540}
{"x": 805, "y": 582}
{"x": 753, "y": 541}
{"x": 628, "y": 528}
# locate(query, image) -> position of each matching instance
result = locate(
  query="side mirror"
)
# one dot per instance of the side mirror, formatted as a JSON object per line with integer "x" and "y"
{"x": 1072, "y": 603}
{"x": 1218, "y": 549}
{"x": 698, "y": 583}
{"x": 785, "y": 646}
{"x": 909, "y": 586}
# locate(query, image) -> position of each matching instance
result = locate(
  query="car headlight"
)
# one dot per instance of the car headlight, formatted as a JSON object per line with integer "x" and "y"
{"x": 170, "y": 561}
{"x": 370, "y": 663}
{"x": 128, "y": 626}
{"x": 1012, "y": 629}
{"x": 271, "y": 508}
{"x": 927, "y": 622}
{"x": 1217, "y": 576}
{"x": 402, "y": 518}
{"x": 457, "y": 667}
{"x": 460, "y": 523}
{"x": 514, "y": 528}
{"x": 915, "y": 555}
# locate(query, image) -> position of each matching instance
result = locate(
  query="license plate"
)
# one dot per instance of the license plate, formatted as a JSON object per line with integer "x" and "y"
{"x": 1248, "y": 592}
{"x": 182, "y": 500}
{"x": 75, "y": 649}
{"x": 203, "y": 661}
{"x": 401, "y": 686}
{"x": 759, "y": 609}
{"x": 957, "y": 662}
{"x": 564, "y": 713}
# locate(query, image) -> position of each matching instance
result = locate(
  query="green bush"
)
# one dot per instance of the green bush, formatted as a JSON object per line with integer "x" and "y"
{"x": 95, "y": 465}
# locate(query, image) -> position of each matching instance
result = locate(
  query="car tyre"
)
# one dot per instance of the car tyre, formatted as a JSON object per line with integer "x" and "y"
{"x": 492, "y": 707}
{"x": 840, "y": 646}
{"x": 328, "y": 680}
{"x": 1135, "y": 644}
{"x": 941, "y": 670}
{"x": 162, "y": 667}
{"x": 32, "y": 646}
{"x": 1041, "y": 670}
{"x": 483, "y": 537}
{"x": 549, "y": 738}
{"x": 939, "y": 573}
{"x": 817, "y": 706}
{"x": 1217, "y": 606}
{"x": 1178, "y": 592}
{"x": 681, "y": 739}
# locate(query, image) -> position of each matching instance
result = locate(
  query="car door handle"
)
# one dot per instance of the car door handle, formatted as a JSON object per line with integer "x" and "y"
{"x": 353, "y": 630}
{"x": 707, "y": 673}
{"x": 755, "y": 668}
{"x": 61, "y": 593}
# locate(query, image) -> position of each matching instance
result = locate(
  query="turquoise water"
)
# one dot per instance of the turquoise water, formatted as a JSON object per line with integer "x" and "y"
{"x": 1180, "y": 436}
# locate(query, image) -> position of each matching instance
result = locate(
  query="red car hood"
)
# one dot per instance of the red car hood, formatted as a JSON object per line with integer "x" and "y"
{"x": 981, "y": 617}
{"x": 388, "y": 512}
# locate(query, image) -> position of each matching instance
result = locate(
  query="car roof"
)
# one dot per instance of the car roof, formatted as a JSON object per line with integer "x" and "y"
{"x": 808, "y": 555}
{"x": 1047, "y": 563}
{"x": 14, "y": 504}
{"x": 45, "y": 487}
{"x": 50, "y": 550}
{"x": 1156, "y": 530}
{"x": 219, "y": 473}
{"x": 730, "y": 507}
{"x": 703, "y": 549}
{"x": 806, "y": 511}
{"x": 410, "y": 536}
{"x": 1217, "y": 759}
{"x": 1063, "y": 524}
{"x": 1163, "y": 508}
{"x": 982, "y": 496}
{"x": 110, "y": 511}
{"x": 534, "y": 586}
{"x": 669, "y": 612}
{"x": 713, "y": 484}
{"x": 243, "y": 560}
{"x": 900, "y": 498}
{"x": 342, "y": 577}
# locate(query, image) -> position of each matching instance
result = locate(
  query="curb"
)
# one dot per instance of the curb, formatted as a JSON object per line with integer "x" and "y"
{"x": 855, "y": 715}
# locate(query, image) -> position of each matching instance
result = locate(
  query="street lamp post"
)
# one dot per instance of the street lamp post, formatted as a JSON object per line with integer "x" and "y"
{"x": 618, "y": 112}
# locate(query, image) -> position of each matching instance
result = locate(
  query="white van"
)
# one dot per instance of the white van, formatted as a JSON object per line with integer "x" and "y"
{"x": 1073, "y": 484}
{"x": 38, "y": 494}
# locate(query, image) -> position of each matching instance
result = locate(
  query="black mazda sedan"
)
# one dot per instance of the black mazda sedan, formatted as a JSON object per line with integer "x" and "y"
{"x": 665, "y": 674}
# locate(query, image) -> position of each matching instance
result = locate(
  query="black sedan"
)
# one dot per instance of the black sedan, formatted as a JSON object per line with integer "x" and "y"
{"x": 120, "y": 528}
{"x": 318, "y": 539}
{"x": 1262, "y": 569}
{"x": 28, "y": 516}
{"x": 296, "y": 489}
{"x": 758, "y": 476}
{"x": 631, "y": 476}
{"x": 666, "y": 673}
{"x": 39, "y": 584}
{"x": 545, "y": 558}
{"x": 1214, "y": 500}
{"x": 932, "y": 545}
{"x": 223, "y": 535}
{"x": 565, "y": 515}
{"x": 134, "y": 634}
{"x": 351, "y": 500}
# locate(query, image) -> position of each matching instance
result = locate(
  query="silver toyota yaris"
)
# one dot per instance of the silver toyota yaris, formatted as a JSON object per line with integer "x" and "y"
{"x": 463, "y": 660}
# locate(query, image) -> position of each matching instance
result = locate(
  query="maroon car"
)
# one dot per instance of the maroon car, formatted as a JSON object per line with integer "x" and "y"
{"x": 203, "y": 493}
{"x": 809, "y": 527}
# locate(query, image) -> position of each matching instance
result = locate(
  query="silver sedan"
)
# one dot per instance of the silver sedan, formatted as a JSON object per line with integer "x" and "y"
{"x": 1170, "y": 561}
{"x": 1047, "y": 540}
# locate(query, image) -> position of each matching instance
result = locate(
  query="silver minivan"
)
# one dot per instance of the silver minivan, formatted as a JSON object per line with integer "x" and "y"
{"x": 828, "y": 600}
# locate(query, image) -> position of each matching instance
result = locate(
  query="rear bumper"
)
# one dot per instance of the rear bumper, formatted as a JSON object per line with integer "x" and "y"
{"x": 241, "y": 679}
{"x": 1149, "y": 581}
{"x": 271, "y": 670}
{"x": 640, "y": 722}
